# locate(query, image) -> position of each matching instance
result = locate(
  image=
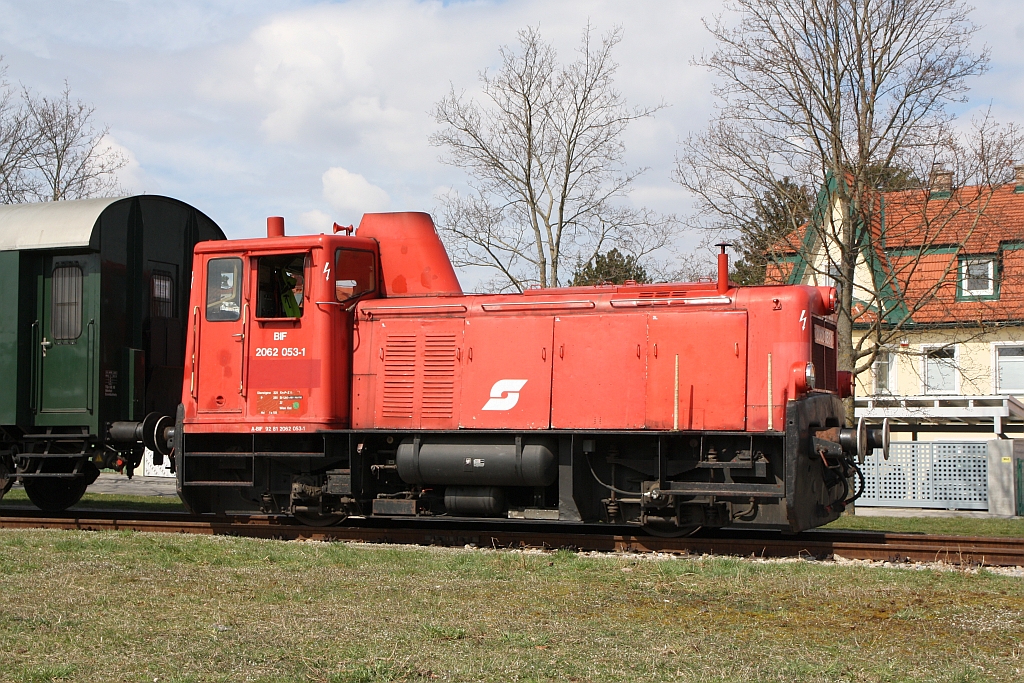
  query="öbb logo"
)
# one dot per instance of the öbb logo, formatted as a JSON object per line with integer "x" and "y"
{"x": 499, "y": 400}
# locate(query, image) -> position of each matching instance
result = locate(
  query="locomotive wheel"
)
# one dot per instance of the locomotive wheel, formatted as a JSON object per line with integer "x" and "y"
{"x": 319, "y": 520}
{"x": 669, "y": 530}
{"x": 53, "y": 494}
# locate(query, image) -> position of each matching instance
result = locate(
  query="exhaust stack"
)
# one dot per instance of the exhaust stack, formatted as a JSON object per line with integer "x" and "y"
{"x": 723, "y": 268}
{"x": 275, "y": 226}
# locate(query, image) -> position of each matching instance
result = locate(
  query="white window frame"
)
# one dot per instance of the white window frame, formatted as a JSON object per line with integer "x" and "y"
{"x": 925, "y": 348}
{"x": 890, "y": 374}
{"x": 996, "y": 389}
{"x": 965, "y": 264}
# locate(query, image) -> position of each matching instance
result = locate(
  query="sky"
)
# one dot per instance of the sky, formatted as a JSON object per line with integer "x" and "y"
{"x": 320, "y": 111}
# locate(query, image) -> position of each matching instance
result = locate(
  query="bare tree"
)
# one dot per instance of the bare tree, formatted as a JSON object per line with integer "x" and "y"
{"x": 16, "y": 146}
{"x": 69, "y": 157}
{"x": 851, "y": 96}
{"x": 545, "y": 157}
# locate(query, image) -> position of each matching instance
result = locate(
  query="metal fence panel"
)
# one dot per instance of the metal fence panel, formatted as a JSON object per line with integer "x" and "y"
{"x": 927, "y": 474}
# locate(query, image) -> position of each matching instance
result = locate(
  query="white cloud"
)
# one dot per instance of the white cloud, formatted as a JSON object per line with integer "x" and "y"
{"x": 316, "y": 221}
{"x": 131, "y": 177}
{"x": 238, "y": 106}
{"x": 351, "y": 193}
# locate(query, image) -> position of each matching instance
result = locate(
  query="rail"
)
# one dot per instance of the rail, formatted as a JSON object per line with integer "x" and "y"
{"x": 820, "y": 544}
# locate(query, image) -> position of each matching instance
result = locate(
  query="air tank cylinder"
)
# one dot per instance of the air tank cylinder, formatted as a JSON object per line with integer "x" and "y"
{"x": 477, "y": 462}
{"x": 475, "y": 501}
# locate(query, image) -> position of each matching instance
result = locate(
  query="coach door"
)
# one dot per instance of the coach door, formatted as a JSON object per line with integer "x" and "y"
{"x": 222, "y": 325}
{"x": 65, "y": 339}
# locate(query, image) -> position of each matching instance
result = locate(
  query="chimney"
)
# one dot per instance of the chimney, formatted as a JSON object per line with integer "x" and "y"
{"x": 941, "y": 181}
{"x": 275, "y": 226}
{"x": 1018, "y": 178}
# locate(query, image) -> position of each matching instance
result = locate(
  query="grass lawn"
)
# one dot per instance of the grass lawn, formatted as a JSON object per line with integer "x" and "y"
{"x": 103, "y": 501}
{"x": 953, "y": 526}
{"x": 123, "y": 606}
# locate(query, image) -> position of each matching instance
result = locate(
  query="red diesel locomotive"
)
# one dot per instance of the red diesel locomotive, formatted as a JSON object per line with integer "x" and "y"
{"x": 340, "y": 375}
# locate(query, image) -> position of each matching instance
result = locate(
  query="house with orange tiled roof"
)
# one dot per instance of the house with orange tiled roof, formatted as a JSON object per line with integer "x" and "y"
{"x": 938, "y": 300}
{"x": 938, "y": 328}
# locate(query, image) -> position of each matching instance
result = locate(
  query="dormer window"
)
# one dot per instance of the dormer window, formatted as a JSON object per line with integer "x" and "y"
{"x": 977, "y": 277}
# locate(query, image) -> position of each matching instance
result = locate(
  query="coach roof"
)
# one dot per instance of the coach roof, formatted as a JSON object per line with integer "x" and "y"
{"x": 49, "y": 225}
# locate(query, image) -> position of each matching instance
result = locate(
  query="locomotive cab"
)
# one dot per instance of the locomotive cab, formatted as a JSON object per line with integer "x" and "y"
{"x": 267, "y": 359}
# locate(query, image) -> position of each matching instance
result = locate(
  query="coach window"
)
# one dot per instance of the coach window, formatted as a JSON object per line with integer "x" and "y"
{"x": 223, "y": 289}
{"x": 66, "y": 313}
{"x": 355, "y": 273}
{"x": 281, "y": 284}
{"x": 162, "y": 295}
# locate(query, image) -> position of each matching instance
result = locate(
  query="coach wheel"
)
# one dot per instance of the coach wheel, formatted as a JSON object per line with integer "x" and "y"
{"x": 7, "y": 471}
{"x": 53, "y": 494}
{"x": 319, "y": 519}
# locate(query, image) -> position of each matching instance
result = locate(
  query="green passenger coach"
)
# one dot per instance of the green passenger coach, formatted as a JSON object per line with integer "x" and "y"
{"x": 93, "y": 316}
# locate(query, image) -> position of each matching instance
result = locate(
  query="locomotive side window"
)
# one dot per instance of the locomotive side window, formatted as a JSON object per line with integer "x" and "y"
{"x": 223, "y": 289}
{"x": 280, "y": 286}
{"x": 66, "y": 314}
{"x": 354, "y": 273}
{"x": 162, "y": 295}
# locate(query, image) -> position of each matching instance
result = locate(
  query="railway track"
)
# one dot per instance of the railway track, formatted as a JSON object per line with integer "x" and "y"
{"x": 864, "y": 545}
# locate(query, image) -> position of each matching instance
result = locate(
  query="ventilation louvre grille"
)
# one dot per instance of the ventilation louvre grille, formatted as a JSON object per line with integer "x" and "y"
{"x": 399, "y": 375}
{"x": 438, "y": 375}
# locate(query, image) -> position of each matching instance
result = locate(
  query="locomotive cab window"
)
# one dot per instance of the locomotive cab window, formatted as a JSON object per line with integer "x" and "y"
{"x": 223, "y": 289}
{"x": 355, "y": 273}
{"x": 162, "y": 295}
{"x": 66, "y": 312}
{"x": 281, "y": 285}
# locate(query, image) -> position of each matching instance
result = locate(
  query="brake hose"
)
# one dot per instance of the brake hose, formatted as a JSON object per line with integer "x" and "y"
{"x": 610, "y": 488}
{"x": 860, "y": 481}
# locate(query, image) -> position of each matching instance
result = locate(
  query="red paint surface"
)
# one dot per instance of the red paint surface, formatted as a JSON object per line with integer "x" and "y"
{"x": 600, "y": 371}
{"x": 275, "y": 375}
{"x": 712, "y": 381}
{"x": 514, "y": 347}
{"x": 574, "y": 358}
{"x": 413, "y": 259}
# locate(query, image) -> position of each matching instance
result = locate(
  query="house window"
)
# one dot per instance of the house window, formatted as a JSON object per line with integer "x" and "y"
{"x": 977, "y": 277}
{"x": 1010, "y": 369}
{"x": 831, "y": 278}
{"x": 163, "y": 295}
{"x": 883, "y": 371}
{"x": 66, "y": 311}
{"x": 940, "y": 370}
